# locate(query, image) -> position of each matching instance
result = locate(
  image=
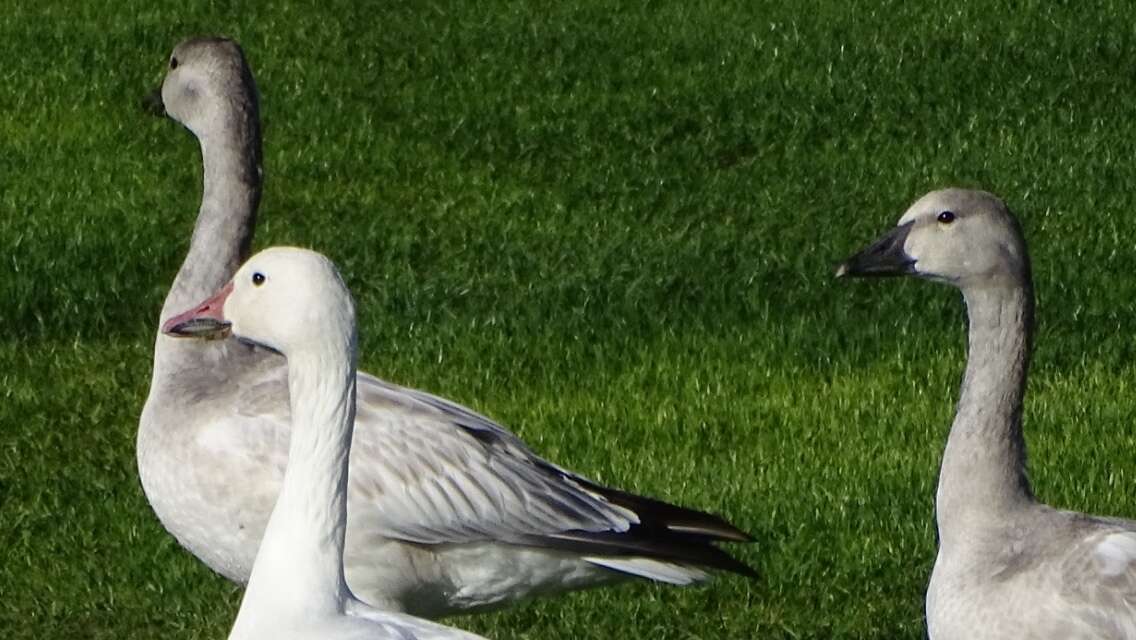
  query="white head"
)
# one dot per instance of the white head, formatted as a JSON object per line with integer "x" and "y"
{"x": 962, "y": 237}
{"x": 208, "y": 84}
{"x": 283, "y": 298}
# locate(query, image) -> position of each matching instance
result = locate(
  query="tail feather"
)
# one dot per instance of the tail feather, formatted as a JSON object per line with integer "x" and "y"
{"x": 666, "y": 535}
{"x": 633, "y": 544}
{"x": 657, "y": 570}
{"x": 657, "y": 515}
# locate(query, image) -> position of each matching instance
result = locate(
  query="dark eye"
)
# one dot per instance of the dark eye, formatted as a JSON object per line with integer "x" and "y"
{"x": 173, "y": 63}
{"x": 947, "y": 217}
{"x": 258, "y": 279}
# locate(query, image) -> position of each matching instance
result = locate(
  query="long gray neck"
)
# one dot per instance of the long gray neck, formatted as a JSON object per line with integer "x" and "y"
{"x": 222, "y": 237}
{"x": 230, "y": 157}
{"x": 983, "y": 476}
{"x": 300, "y": 560}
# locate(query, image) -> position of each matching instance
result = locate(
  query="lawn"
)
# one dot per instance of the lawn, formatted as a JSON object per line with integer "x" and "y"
{"x": 611, "y": 226}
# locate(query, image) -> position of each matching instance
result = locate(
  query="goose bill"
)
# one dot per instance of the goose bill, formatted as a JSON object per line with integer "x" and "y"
{"x": 152, "y": 103}
{"x": 884, "y": 257}
{"x": 205, "y": 320}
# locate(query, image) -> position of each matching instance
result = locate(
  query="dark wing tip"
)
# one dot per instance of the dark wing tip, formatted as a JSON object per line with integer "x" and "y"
{"x": 657, "y": 515}
{"x": 629, "y": 544}
{"x": 665, "y": 532}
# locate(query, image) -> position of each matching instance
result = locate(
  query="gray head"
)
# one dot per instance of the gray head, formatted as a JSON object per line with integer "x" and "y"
{"x": 208, "y": 87}
{"x": 958, "y": 236}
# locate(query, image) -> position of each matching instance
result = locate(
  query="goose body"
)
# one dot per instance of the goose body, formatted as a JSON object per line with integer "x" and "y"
{"x": 448, "y": 511}
{"x": 1008, "y": 566}
{"x": 294, "y": 301}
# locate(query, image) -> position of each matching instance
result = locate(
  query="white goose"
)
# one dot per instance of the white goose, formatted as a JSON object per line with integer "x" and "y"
{"x": 449, "y": 512}
{"x": 1008, "y": 566}
{"x": 294, "y": 302}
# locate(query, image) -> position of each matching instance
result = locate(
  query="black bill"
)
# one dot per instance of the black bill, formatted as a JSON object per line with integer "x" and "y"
{"x": 152, "y": 103}
{"x": 885, "y": 257}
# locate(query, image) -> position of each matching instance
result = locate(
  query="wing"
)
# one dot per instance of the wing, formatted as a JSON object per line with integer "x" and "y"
{"x": 439, "y": 473}
{"x": 425, "y": 470}
{"x": 442, "y": 474}
{"x": 1099, "y": 582}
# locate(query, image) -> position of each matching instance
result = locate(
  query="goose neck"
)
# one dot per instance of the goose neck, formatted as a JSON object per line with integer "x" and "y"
{"x": 983, "y": 475}
{"x": 301, "y": 555}
{"x": 222, "y": 235}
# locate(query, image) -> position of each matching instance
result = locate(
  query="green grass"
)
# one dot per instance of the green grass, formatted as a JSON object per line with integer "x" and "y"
{"x": 611, "y": 228}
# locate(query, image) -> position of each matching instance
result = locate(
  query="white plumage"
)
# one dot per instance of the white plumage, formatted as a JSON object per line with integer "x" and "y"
{"x": 296, "y": 303}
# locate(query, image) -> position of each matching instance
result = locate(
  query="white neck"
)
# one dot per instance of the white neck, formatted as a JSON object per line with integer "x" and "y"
{"x": 983, "y": 476}
{"x": 299, "y": 566}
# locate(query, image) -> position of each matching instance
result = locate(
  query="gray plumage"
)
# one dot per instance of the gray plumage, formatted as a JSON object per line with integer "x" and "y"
{"x": 1008, "y": 566}
{"x": 448, "y": 511}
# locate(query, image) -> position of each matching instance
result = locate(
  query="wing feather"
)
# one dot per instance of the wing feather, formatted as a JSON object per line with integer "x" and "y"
{"x": 1099, "y": 581}
{"x": 427, "y": 471}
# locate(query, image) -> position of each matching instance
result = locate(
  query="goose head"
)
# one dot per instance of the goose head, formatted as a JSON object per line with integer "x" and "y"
{"x": 958, "y": 236}
{"x": 283, "y": 298}
{"x": 207, "y": 79}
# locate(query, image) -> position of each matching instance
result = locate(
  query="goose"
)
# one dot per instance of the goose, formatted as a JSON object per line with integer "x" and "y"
{"x": 449, "y": 511}
{"x": 1008, "y": 566}
{"x": 294, "y": 302}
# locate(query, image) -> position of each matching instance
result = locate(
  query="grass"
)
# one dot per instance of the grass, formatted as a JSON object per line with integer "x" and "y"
{"x": 610, "y": 227}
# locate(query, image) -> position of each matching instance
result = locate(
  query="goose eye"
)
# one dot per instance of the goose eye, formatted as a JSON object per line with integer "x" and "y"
{"x": 173, "y": 63}
{"x": 947, "y": 217}
{"x": 258, "y": 279}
